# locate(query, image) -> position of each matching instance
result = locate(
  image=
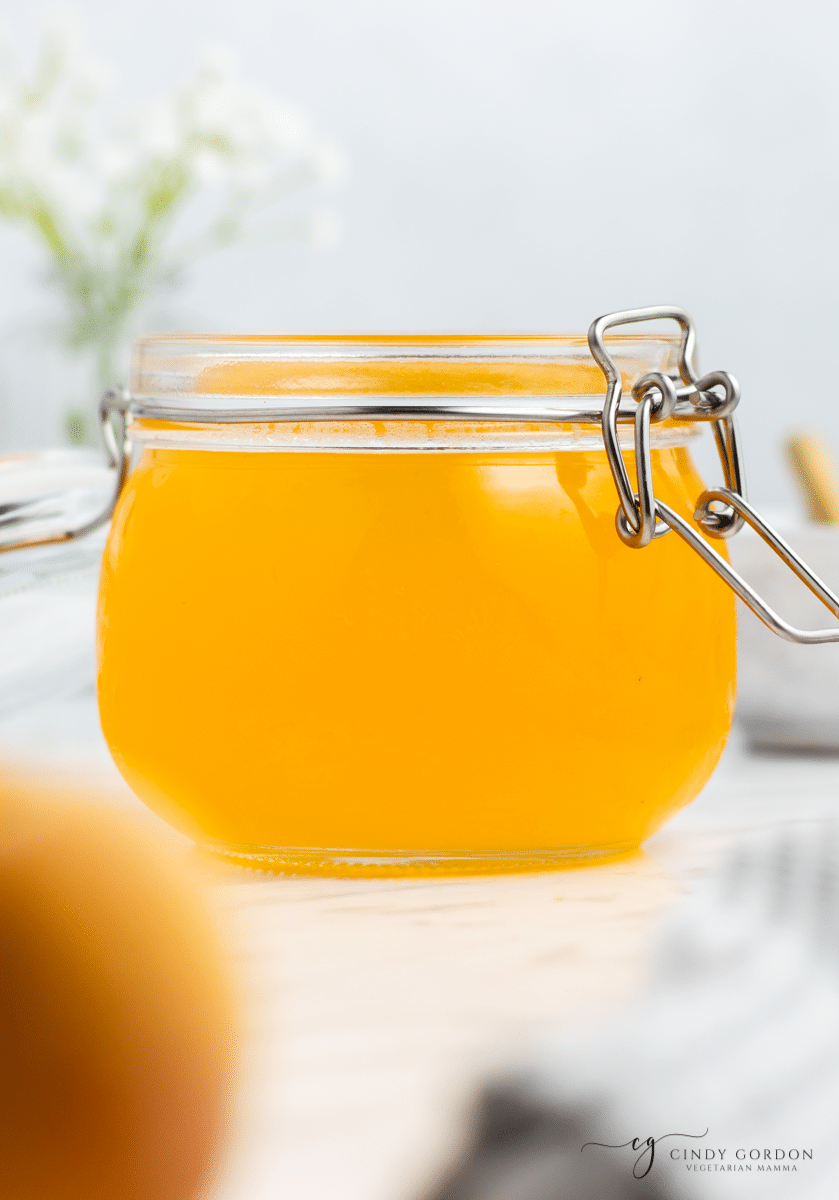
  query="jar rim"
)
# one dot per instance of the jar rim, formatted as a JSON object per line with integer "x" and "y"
{"x": 259, "y": 377}
{"x": 395, "y": 339}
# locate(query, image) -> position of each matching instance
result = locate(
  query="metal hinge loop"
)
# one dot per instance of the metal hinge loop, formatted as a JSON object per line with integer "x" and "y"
{"x": 696, "y": 401}
{"x": 637, "y": 525}
{"x": 641, "y": 517}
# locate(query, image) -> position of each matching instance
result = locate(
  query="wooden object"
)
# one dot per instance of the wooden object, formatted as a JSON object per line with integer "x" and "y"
{"x": 815, "y": 474}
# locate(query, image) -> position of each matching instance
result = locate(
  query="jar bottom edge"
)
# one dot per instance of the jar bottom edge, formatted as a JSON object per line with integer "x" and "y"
{"x": 305, "y": 860}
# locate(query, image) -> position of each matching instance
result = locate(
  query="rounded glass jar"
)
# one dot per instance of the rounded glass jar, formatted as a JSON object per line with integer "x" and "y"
{"x": 376, "y": 644}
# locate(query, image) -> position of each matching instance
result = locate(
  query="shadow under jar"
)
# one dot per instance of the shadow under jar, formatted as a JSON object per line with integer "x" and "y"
{"x": 404, "y": 643}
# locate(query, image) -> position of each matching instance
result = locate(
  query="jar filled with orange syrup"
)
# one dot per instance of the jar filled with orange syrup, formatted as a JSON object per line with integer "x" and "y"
{"x": 374, "y": 605}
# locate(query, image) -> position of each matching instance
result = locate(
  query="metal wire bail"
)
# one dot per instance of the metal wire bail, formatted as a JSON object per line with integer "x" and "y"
{"x": 115, "y": 403}
{"x": 696, "y": 400}
{"x": 638, "y": 516}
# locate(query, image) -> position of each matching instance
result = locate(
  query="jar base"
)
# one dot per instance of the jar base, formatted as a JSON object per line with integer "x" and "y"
{"x": 307, "y": 860}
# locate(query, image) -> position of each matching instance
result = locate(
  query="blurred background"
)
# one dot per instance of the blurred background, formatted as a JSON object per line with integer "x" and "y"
{"x": 496, "y": 167}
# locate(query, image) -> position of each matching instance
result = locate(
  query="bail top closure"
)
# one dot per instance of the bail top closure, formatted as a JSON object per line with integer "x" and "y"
{"x": 641, "y": 517}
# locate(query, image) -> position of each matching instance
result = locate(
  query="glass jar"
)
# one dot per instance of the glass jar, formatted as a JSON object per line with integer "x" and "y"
{"x": 370, "y": 636}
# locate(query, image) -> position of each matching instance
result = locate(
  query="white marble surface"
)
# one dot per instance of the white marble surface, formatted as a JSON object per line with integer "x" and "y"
{"x": 376, "y": 1006}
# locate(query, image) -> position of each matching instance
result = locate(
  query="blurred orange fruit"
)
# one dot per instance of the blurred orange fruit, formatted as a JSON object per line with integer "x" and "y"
{"x": 117, "y": 1011}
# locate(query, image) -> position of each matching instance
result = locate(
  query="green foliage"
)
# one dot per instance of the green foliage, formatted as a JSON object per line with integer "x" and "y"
{"x": 123, "y": 200}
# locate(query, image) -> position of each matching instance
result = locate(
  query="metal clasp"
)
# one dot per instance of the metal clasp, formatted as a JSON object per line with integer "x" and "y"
{"x": 641, "y": 517}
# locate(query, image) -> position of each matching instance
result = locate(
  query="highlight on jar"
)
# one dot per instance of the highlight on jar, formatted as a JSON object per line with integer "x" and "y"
{"x": 384, "y": 605}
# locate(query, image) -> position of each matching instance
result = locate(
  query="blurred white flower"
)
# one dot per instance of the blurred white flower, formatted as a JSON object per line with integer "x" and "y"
{"x": 124, "y": 198}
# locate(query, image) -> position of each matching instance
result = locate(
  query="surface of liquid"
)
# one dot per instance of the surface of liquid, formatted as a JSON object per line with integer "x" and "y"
{"x": 413, "y": 653}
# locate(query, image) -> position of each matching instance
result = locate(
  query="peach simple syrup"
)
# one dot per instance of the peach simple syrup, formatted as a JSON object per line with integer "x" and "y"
{"x": 309, "y": 654}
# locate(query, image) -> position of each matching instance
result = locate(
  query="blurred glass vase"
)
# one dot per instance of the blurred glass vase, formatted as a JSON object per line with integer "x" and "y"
{"x": 122, "y": 200}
